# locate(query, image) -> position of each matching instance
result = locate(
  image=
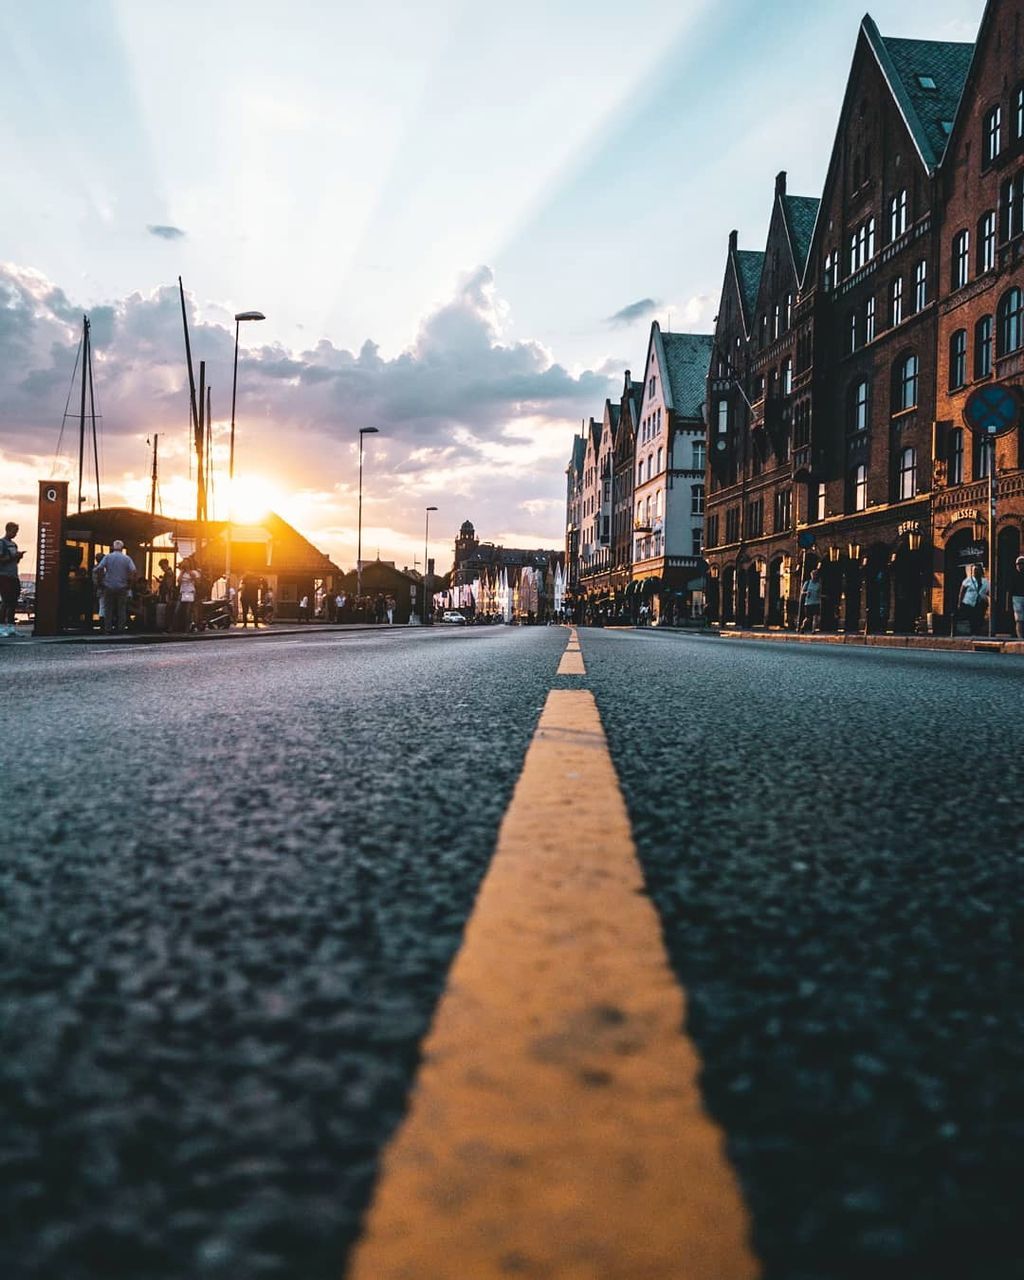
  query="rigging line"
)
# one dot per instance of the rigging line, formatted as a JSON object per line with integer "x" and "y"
{"x": 67, "y": 406}
{"x": 95, "y": 450}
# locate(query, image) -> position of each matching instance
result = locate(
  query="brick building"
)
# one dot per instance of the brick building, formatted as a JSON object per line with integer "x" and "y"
{"x": 980, "y": 337}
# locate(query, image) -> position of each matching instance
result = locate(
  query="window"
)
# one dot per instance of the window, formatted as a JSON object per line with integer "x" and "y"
{"x": 896, "y": 302}
{"x": 981, "y": 456}
{"x": 755, "y": 518}
{"x": 1018, "y": 112}
{"x": 831, "y": 263}
{"x": 927, "y": 82}
{"x": 955, "y": 457}
{"x": 652, "y": 384}
{"x": 659, "y": 461}
{"x": 853, "y": 331}
{"x": 700, "y": 455}
{"x": 991, "y": 134}
{"x": 789, "y": 311}
{"x": 907, "y": 487}
{"x": 819, "y": 502}
{"x": 859, "y": 487}
{"x": 711, "y": 529}
{"x": 958, "y": 360}
{"x": 858, "y": 419}
{"x": 787, "y": 376}
{"x": 722, "y": 415}
{"x": 862, "y": 245}
{"x": 657, "y": 503}
{"x": 696, "y": 500}
{"x": 987, "y": 241}
{"x": 1011, "y": 206}
{"x": 783, "y": 510}
{"x": 732, "y": 525}
{"x": 921, "y": 285}
{"x": 697, "y": 541}
{"x": 983, "y": 347}
{"x": 905, "y": 385}
{"x": 777, "y": 320}
{"x": 640, "y": 471}
{"x": 650, "y": 462}
{"x": 898, "y": 214}
{"x": 869, "y": 321}
{"x": 1011, "y": 321}
{"x": 961, "y": 259}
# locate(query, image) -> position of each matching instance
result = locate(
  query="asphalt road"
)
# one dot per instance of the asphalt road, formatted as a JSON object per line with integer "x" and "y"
{"x": 238, "y": 872}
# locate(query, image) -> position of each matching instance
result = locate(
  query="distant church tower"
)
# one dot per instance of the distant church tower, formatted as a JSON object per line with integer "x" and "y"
{"x": 465, "y": 544}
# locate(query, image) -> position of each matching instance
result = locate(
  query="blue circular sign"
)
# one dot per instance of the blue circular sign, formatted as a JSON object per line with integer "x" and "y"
{"x": 992, "y": 410}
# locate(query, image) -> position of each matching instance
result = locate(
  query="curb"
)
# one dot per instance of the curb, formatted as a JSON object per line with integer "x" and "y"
{"x": 236, "y": 633}
{"x": 936, "y": 644}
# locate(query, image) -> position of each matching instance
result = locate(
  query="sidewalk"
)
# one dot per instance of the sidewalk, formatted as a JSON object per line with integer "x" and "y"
{"x": 235, "y": 633}
{"x": 957, "y": 644}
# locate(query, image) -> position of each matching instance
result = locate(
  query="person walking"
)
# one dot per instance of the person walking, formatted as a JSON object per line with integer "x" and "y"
{"x": 10, "y": 579}
{"x": 1017, "y": 596}
{"x": 114, "y": 575}
{"x": 974, "y": 598}
{"x": 810, "y": 599}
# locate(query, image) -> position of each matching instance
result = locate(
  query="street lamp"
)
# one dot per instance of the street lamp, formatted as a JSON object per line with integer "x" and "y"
{"x": 363, "y": 431}
{"x": 239, "y": 318}
{"x": 426, "y": 539}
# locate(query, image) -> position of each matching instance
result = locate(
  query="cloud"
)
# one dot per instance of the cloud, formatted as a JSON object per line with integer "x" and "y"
{"x": 634, "y": 312}
{"x": 467, "y": 417}
{"x": 165, "y": 232}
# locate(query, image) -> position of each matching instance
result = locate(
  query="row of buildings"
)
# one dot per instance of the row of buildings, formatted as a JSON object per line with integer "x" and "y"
{"x": 826, "y": 428}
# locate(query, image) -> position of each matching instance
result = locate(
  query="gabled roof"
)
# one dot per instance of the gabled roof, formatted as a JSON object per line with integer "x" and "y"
{"x": 749, "y": 264}
{"x": 800, "y": 213}
{"x": 579, "y": 452}
{"x": 687, "y": 359}
{"x": 595, "y": 433}
{"x": 904, "y": 63}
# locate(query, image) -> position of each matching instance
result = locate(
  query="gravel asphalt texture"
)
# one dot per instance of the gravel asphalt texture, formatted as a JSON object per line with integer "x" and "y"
{"x": 236, "y": 878}
{"x": 834, "y": 840}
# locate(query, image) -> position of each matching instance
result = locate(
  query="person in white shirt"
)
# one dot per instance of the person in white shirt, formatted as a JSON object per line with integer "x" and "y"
{"x": 185, "y": 614}
{"x": 115, "y": 574}
{"x": 974, "y": 598}
{"x": 810, "y": 598}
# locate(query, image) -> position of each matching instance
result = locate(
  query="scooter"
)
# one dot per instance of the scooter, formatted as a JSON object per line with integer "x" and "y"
{"x": 216, "y": 615}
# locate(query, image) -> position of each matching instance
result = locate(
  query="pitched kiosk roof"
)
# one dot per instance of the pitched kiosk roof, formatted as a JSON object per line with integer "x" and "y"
{"x": 800, "y": 213}
{"x": 687, "y": 361}
{"x": 912, "y": 67}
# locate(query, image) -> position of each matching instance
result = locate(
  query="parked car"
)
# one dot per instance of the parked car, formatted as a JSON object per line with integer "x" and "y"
{"x": 451, "y": 615}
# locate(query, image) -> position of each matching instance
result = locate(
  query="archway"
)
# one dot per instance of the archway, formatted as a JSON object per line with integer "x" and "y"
{"x": 1008, "y": 544}
{"x": 963, "y": 549}
{"x": 876, "y": 587}
{"x": 906, "y": 582}
{"x": 728, "y": 594}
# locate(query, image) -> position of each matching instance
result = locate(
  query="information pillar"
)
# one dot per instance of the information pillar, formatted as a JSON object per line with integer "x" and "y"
{"x": 53, "y": 508}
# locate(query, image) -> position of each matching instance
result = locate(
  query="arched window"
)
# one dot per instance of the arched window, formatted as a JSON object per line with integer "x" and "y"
{"x": 958, "y": 360}
{"x": 858, "y": 412}
{"x": 1011, "y": 206}
{"x": 905, "y": 384}
{"x": 961, "y": 259}
{"x": 907, "y": 487}
{"x": 787, "y": 376}
{"x": 992, "y": 134}
{"x": 921, "y": 285}
{"x": 898, "y": 214}
{"x": 869, "y": 320}
{"x": 1011, "y": 321}
{"x": 983, "y": 347}
{"x": 896, "y": 302}
{"x": 987, "y": 241}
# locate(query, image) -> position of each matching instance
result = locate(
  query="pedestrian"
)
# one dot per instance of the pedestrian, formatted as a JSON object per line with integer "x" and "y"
{"x": 974, "y": 597}
{"x": 389, "y": 605}
{"x": 1017, "y": 595}
{"x": 304, "y": 609}
{"x": 114, "y": 575}
{"x": 185, "y": 613}
{"x": 810, "y": 599}
{"x": 10, "y": 579}
{"x": 250, "y": 599}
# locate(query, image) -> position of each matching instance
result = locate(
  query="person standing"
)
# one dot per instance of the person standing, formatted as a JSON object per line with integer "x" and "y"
{"x": 304, "y": 609}
{"x": 1017, "y": 595}
{"x": 115, "y": 574}
{"x": 974, "y": 597}
{"x": 10, "y": 579}
{"x": 250, "y": 599}
{"x": 810, "y": 598}
{"x": 185, "y": 614}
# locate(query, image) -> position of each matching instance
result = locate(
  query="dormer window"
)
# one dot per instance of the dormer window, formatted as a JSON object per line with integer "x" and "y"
{"x": 928, "y": 83}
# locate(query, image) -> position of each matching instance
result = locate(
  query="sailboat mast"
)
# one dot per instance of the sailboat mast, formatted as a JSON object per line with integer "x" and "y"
{"x": 152, "y": 486}
{"x": 200, "y": 451}
{"x": 81, "y": 414}
{"x": 95, "y": 446}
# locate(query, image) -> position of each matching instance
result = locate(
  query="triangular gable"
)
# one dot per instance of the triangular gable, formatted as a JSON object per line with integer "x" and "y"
{"x": 687, "y": 360}
{"x": 800, "y": 213}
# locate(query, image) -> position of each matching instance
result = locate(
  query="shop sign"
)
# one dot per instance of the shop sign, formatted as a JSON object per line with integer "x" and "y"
{"x": 966, "y": 513}
{"x": 973, "y": 553}
{"x": 908, "y": 526}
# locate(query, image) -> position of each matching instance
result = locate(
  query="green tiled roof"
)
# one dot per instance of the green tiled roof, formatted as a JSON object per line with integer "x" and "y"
{"x": 801, "y": 213}
{"x": 905, "y": 62}
{"x": 687, "y": 361}
{"x": 579, "y": 452}
{"x": 748, "y": 266}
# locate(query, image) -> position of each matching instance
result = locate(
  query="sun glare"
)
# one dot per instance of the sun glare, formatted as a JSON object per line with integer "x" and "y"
{"x": 252, "y": 498}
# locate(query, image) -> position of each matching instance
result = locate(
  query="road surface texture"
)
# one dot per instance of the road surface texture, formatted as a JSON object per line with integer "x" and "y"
{"x": 237, "y": 875}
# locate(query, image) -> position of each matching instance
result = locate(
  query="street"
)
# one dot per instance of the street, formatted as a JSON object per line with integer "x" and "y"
{"x": 237, "y": 874}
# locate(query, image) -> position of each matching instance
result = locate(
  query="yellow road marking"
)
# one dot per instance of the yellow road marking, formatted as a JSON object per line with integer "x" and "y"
{"x": 572, "y": 658}
{"x": 556, "y": 1128}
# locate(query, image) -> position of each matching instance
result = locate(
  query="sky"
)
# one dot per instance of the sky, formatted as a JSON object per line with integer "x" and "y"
{"x": 459, "y": 220}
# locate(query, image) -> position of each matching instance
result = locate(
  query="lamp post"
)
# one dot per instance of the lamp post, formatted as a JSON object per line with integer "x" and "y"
{"x": 426, "y": 539}
{"x": 239, "y": 318}
{"x": 363, "y": 431}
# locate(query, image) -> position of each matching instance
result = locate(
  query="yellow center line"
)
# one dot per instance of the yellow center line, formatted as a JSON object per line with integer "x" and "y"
{"x": 572, "y": 658}
{"x": 556, "y": 1127}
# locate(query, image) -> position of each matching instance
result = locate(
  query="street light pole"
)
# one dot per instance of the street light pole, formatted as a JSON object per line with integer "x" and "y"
{"x": 426, "y": 539}
{"x": 363, "y": 431}
{"x": 239, "y": 318}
